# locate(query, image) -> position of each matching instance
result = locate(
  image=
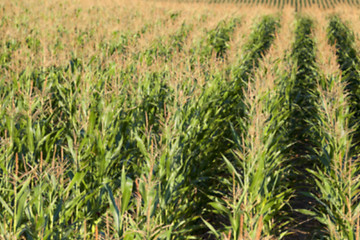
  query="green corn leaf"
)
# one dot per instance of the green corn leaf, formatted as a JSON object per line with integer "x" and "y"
{"x": 126, "y": 190}
{"x": 114, "y": 209}
{"x": 78, "y": 177}
{"x": 212, "y": 229}
{"x": 220, "y": 208}
{"x": 6, "y": 206}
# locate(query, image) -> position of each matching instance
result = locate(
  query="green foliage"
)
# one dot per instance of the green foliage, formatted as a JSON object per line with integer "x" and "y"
{"x": 259, "y": 41}
{"x": 218, "y": 38}
{"x": 216, "y": 42}
{"x": 160, "y": 49}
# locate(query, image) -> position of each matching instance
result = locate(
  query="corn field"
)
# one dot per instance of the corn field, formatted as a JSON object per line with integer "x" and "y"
{"x": 179, "y": 120}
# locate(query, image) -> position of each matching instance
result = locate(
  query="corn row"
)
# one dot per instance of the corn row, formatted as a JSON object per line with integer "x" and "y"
{"x": 337, "y": 176}
{"x": 300, "y": 139}
{"x": 228, "y": 98}
{"x": 343, "y": 39}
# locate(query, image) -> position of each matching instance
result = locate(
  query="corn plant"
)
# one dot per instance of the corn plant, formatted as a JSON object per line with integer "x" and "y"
{"x": 343, "y": 39}
{"x": 337, "y": 178}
